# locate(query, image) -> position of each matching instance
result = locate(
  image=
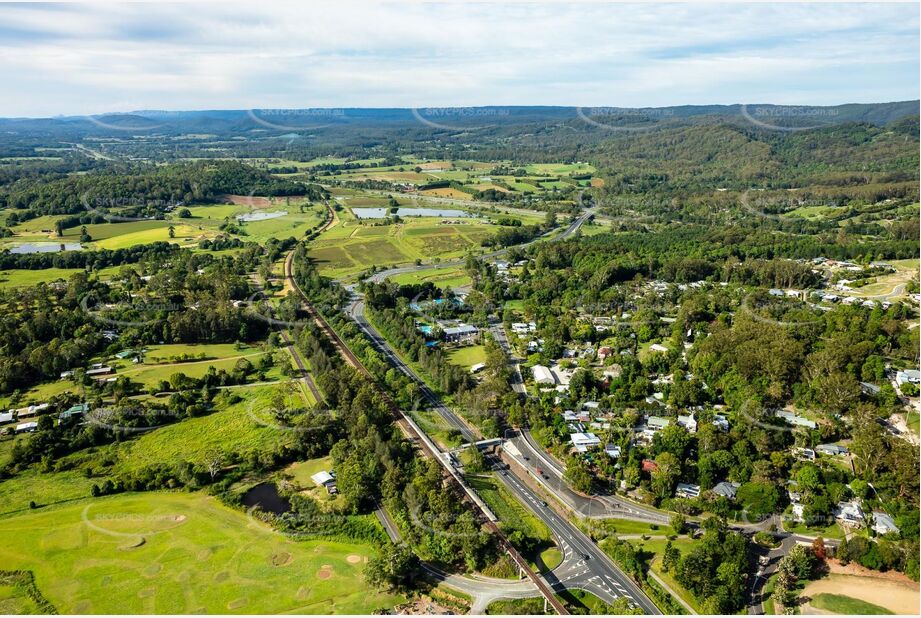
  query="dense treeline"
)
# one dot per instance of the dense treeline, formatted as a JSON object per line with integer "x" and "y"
{"x": 144, "y": 191}
{"x": 91, "y": 260}
{"x": 176, "y": 297}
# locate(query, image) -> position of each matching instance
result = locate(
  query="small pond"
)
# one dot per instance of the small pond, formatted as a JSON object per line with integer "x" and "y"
{"x": 266, "y": 497}
{"x": 380, "y": 213}
{"x": 46, "y": 247}
{"x": 261, "y": 216}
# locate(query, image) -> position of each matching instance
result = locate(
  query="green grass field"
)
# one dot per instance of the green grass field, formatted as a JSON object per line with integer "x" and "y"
{"x": 43, "y": 488}
{"x": 467, "y": 356}
{"x": 181, "y": 553}
{"x": 441, "y": 277}
{"x": 25, "y": 278}
{"x": 244, "y": 427}
{"x": 841, "y": 604}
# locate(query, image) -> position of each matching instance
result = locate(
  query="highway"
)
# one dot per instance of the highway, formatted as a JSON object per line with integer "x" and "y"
{"x": 584, "y": 565}
{"x": 598, "y": 506}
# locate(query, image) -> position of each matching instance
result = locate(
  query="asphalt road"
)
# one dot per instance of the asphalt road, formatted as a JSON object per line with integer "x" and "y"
{"x": 597, "y": 506}
{"x": 571, "y": 229}
{"x": 596, "y": 573}
{"x": 585, "y": 565}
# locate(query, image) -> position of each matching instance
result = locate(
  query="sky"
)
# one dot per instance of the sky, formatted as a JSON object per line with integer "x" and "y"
{"x": 74, "y": 59}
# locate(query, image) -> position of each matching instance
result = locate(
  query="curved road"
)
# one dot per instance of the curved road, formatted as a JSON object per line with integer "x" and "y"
{"x": 585, "y": 565}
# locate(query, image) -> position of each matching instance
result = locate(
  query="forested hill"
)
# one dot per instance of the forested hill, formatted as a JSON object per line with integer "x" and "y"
{"x": 281, "y": 121}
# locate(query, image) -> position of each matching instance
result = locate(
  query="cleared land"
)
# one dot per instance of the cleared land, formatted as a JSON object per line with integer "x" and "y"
{"x": 897, "y": 597}
{"x": 182, "y": 553}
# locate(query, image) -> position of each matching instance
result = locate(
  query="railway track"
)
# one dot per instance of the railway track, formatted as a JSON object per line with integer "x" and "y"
{"x": 410, "y": 429}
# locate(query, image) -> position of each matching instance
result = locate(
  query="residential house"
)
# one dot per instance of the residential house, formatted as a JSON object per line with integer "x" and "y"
{"x": 460, "y": 333}
{"x": 726, "y": 489}
{"x": 612, "y": 451}
{"x": 686, "y": 490}
{"x": 831, "y": 449}
{"x": 688, "y": 422}
{"x": 542, "y": 375}
{"x": 849, "y": 513}
{"x": 326, "y": 479}
{"x": 584, "y": 441}
{"x": 883, "y": 523}
{"x": 26, "y": 427}
{"x": 794, "y": 419}
{"x": 720, "y": 422}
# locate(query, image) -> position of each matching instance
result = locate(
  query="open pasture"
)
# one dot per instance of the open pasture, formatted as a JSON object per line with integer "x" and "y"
{"x": 182, "y": 553}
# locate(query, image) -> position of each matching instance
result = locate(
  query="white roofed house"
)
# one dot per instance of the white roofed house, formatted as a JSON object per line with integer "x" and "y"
{"x": 686, "y": 490}
{"x": 584, "y": 441}
{"x": 542, "y": 375}
{"x": 688, "y": 422}
{"x": 849, "y": 513}
{"x": 26, "y": 427}
{"x": 326, "y": 479}
{"x": 884, "y": 524}
{"x": 7, "y": 417}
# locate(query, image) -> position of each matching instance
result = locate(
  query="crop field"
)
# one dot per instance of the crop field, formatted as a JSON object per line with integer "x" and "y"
{"x": 352, "y": 247}
{"x": 182, "y": 553}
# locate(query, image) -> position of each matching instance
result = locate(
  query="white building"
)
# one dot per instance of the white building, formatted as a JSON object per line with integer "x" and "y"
{"x": 542, "y": 375}
{"x": 584, "y": 441}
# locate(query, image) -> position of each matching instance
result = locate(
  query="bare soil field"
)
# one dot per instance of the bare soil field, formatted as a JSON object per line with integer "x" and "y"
{"x": 892, "y": 591}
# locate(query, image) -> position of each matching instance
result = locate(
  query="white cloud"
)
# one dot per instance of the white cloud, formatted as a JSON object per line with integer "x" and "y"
{"x": 212, "y": 55}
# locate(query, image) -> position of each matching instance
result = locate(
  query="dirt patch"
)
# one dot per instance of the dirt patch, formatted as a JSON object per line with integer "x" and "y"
{"x": 353, "y": 559}
{"x": 152, "y": 570}
{"x": 237, "y": 603}
{"x": 325, "y": 572}
{"x": 146, "y": 593}
{"x": 222, "y": 576}
{"x": 424, "y": 606}
{"x": 133, "y": 544}
{"x": 897, "y": 597}
{"x": 248, "y": 200}
{"x": 179, "y": 518}
{"x": 281, "y": 559}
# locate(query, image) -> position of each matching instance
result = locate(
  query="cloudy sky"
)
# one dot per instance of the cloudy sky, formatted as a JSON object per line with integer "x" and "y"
{"x": 91, "y": 58}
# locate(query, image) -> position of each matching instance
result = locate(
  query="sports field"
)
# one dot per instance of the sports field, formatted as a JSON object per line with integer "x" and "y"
{"x": 181, "y": 553}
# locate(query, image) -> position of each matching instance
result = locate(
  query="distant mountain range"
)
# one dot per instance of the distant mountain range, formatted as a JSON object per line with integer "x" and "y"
{"x": 280, "y": 121}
